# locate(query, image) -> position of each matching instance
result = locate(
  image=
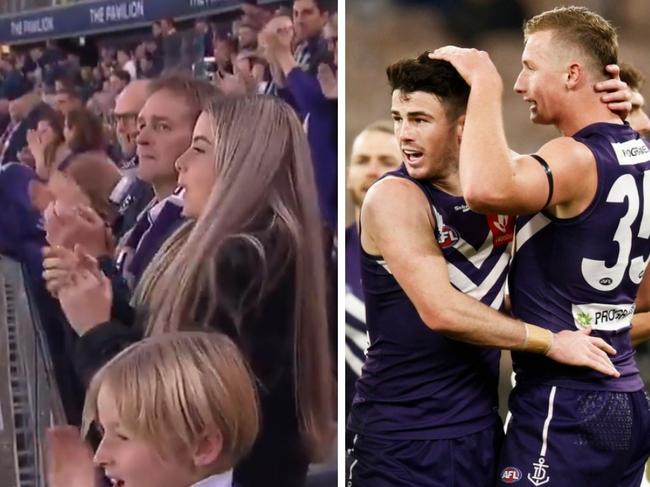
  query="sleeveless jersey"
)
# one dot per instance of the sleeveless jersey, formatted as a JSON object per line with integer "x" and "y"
{"x": 584, "y": 271}
{"x": 356, "y": 339}
{"x": 417, "y": 383}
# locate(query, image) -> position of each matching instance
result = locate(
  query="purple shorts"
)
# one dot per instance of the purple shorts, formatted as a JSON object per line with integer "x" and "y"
{"x": 566, "y": 437}
{"x": 460, "y": 462}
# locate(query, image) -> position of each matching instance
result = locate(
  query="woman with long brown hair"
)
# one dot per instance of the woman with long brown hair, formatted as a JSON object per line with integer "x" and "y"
{"x": 250, "y": 263}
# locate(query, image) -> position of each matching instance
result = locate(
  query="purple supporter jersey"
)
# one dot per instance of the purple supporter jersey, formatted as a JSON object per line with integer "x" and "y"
{"x": 582, "y": 272}
{"x": 416, "y": 383}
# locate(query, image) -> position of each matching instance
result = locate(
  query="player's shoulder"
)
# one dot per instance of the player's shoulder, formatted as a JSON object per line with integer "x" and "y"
{"x": 392, "y": 203}
{"x": 393, "y": 191}
{"x": 563, "y": 150}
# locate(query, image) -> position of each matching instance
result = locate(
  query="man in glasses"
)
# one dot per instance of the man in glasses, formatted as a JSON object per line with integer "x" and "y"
{"x": 131, "y": 195}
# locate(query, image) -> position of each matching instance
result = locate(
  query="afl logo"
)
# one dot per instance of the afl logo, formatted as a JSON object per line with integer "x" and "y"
{"x": 447, "y": 237}
{"x": 510, "y": 475}
{"x": 605, "y": 281}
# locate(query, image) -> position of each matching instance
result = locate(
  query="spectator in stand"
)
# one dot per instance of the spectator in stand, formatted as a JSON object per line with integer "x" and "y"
{"x": 246, "y": 37}
{"x": 87, "y": 86}
{"x": 97, "y": 79}
{"x": 67, "y": 99}
{"x": 309, "y": 19}
{"x": 132, "y": 194}
{"x": 255, "y": 15}
{"x": 146, "y": 67}
{"x": 11, "y": 77}
{"x": 25, "y": 110}
{"x": 74, "y": 64}
{"x": 36, "y": 54}
{"x": 203, "y": 36}
{"x": 52, "y": 53}
{"x": 107, "y": 56}
{"x": 156, "y": 31}
{"x": 139, "y": 51}
{"x": 308, "y": 98}
{"x": 224, "y": 49}
{"x": 175, "y": 439}
{"x": 118, "y": 81}
{"x": 47, "y": 144}
{"x": 155, "y": 51}
{"x": 126, "y": 63}
{"x": 84, "y": 135}
{"x": 172, "y": 44}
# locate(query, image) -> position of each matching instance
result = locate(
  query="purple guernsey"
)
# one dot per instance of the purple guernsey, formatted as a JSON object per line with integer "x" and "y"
{"x": 417, "y": 384}
{"x": 583, "y": 272}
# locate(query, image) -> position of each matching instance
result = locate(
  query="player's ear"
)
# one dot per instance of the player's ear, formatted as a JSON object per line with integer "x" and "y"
{"x": 574, "y": 76}
{"x": 460, "y": 125}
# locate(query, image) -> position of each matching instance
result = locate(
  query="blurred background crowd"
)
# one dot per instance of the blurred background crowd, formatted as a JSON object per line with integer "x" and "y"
{"x": 249, "y": 51}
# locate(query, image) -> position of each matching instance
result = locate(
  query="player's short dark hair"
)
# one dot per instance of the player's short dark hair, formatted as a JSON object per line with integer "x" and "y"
{"x": 433, "y": 76}
{"x": 632, "y": 76}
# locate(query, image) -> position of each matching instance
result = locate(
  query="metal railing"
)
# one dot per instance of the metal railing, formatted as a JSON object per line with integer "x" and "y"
{"x": 29, "y": 397}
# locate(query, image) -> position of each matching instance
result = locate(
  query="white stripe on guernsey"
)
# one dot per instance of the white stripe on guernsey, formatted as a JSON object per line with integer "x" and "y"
{"x": 355, "y": 307}
{"x": 353, "y": 361}
{"x": 476, "y": 257}
{"x": 513, "y": 383}
{"x": 385, "y": 266}
{"x": 507, "y": 422}
{"x": 464, "y": 284}
{"x": 354, "y": 462}
{"x": 359, "y": 338}
{"x": 532, "y": 226}
{"x": 551, "y": 398}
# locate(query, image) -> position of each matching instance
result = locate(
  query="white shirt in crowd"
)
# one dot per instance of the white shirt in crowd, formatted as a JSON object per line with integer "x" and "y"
{"x": 129, "y": 67}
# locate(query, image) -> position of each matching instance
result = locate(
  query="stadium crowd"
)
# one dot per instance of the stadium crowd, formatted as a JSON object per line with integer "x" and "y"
{"x": 186, "y": 182}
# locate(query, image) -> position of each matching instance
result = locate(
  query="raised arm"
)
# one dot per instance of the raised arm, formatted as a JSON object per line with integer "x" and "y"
{"x": 495, "y": 181}
{"x": 397, "y": 224}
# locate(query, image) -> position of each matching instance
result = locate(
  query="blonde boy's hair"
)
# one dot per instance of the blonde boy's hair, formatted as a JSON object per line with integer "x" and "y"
{"x": 174, "y": 388}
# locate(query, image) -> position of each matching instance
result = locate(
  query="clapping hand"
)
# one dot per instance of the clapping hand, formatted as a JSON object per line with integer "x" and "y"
{"x": 85, "y": 293}
{"x": 69, "y": 459}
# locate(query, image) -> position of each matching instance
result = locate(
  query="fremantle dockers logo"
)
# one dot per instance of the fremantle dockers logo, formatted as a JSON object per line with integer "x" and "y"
{"x": 502, "y": 228}
{"x": 540, "y": 475}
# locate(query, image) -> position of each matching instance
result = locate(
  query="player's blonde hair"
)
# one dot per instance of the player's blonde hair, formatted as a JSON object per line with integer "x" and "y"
{"x": 579, "y": 27}
{"x": 172, "y": 389}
